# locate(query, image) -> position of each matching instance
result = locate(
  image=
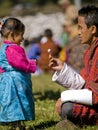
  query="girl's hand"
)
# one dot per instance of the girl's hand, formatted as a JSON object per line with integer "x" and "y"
{"x": 55, "y": 63}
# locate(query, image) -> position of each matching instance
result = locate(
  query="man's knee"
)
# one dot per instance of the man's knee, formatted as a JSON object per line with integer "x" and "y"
{"x": 67, "y": 109}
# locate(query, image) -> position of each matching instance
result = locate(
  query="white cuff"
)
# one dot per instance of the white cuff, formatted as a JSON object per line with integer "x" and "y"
{"x": 68, "y": 78}
{"x": 83, "y": 96}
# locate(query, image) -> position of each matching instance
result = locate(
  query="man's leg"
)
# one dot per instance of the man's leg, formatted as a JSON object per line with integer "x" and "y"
{"x": 66, "y": 111}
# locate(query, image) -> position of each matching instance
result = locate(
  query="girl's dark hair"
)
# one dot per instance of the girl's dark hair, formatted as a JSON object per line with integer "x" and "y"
{"x": 90, "y": 13}
{"x": 12, "y": 25}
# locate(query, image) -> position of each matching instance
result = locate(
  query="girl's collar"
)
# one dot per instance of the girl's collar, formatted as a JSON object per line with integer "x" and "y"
{"x": 8, "y": 42}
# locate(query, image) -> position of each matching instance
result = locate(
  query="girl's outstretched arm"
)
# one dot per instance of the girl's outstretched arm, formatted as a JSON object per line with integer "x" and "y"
{"x": 17, "y": 58}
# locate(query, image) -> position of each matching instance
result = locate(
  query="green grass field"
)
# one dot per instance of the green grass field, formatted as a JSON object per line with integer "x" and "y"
{"x": 46, "y": 93}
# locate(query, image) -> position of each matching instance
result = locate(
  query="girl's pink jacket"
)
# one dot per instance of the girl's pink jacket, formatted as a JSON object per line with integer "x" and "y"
{"x": 17, "y": 58}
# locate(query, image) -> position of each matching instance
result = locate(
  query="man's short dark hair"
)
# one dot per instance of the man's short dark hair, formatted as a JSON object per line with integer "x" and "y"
{"x": 90, "y": 13}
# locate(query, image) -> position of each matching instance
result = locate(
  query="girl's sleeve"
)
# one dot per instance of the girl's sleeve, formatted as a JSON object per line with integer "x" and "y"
{"x": 17, "y": 58}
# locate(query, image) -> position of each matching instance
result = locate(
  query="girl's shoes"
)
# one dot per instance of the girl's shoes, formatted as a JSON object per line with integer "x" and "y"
{"x": 23, "y": 128}
{"x": 28, "y": 128}
{"x": 15, "y": 126}
{"x": 11, "y": 128}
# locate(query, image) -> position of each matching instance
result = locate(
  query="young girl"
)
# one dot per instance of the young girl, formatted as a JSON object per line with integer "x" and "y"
{"x": 16, "y": 98}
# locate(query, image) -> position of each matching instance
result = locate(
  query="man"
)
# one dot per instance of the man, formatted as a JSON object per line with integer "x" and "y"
{"x": 46, "y": 43}
{"x": 80, "y": 103}
{"x": 70, "y": 10}
{"x": 75, "y": 50}
{"x": 64, "y": 4}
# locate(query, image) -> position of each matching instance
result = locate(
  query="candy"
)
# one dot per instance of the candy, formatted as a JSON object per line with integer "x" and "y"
{"x": 49, "y": 50}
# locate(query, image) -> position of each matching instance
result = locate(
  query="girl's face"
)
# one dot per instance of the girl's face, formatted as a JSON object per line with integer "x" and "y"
{"x": 18, "y": 38}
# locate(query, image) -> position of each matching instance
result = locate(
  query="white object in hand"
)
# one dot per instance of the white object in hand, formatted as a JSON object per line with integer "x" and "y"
{"x": 49, "y": 50}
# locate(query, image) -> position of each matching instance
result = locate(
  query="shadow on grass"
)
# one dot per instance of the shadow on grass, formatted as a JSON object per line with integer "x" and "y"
{"x": 44, "y": 125}
{"x": 47, "y": 95}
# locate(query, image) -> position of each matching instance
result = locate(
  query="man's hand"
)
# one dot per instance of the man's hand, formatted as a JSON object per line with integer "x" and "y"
{"x": 55, "y": 63}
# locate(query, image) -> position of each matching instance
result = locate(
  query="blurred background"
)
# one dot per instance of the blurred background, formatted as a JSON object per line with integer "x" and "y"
{"x": 38, "y": 15}
{"x": 53, "y": 22}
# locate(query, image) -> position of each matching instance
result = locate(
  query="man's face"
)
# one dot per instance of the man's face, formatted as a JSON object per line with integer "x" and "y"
{"x": 85, "y": 33}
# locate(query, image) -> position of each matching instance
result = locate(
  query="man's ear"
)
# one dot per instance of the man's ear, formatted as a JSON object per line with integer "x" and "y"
{"x": 93, "y": 29}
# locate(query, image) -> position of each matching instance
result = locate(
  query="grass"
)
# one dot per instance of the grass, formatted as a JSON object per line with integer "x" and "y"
{"x": 46, "y": 93}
